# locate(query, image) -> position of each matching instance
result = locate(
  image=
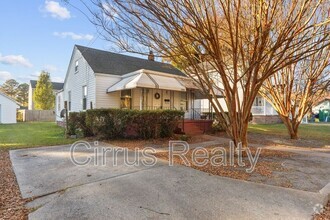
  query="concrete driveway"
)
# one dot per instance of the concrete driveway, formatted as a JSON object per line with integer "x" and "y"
{"x": 63, "y": 190}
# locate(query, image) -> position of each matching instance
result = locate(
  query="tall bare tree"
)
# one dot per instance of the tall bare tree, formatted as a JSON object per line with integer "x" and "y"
{"x": 245, "y": 42}
{"x": 294, "y": 90}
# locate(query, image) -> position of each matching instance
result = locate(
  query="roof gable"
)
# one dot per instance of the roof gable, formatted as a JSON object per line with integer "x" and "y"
{"x": 117, "y": 64}
{"x": 7, "y": 97}
{"x": 56, "y": 85}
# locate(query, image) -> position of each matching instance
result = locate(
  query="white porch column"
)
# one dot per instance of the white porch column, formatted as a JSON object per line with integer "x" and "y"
{"x": 264, "y": 105}
{"x": 141, "y": 98}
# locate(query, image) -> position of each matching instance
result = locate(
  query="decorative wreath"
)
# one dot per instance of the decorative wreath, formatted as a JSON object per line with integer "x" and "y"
{"x": 157, "y": 95}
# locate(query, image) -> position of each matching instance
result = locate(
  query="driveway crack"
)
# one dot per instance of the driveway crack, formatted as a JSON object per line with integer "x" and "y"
{"x": 151, "y": 210}
{"x": 61, "y": 191}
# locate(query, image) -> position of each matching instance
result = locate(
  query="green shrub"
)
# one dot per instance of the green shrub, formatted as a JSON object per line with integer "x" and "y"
{"x": 218, "y": 125}
{"x": 19, "y": 116}
{"x": 108, "y": 123}
{"x": 183, "y": 137}
{"x": 169, "y": 121}
{"x": 115, "y": 123}
{"x": 77, "y": 124}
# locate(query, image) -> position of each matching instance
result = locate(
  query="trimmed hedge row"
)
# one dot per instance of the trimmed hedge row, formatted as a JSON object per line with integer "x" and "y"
{"x": 123, "y": 123}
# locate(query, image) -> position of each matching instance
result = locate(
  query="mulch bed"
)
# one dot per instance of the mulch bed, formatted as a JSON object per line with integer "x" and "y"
{"x": 265, "y": 167}
{"x": 325, "y": 215}
{"x": 11, "y": 202}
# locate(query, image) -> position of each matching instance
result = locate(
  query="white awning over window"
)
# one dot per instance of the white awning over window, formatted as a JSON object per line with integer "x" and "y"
{"x": 145, "y": 80}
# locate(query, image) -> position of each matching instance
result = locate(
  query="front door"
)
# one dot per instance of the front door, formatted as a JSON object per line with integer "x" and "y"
{"x": 166, "y": 99}
{"x": 157, "y": 99}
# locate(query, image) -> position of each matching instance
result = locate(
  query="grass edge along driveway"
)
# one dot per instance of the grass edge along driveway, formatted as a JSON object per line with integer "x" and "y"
{"x": 31, "y": 134}
{"x": 311, "y": 131}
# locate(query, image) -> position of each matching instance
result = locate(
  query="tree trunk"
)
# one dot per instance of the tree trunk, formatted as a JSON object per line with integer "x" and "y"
{"x": 241, "y": 135}
{"x": 244, "y": 136}
{"x": 244, "y": 140}
{"x": 292, "y": 128}
{"x": 294, "y": 135}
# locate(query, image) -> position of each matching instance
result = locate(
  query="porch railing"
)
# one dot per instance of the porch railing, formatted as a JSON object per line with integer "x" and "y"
{"x": 201, "y": 113}
{"x": 263, "y": 110}
{"x": 258, "y": 110}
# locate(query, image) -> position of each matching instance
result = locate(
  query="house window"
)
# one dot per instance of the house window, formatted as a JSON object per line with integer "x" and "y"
{"x": 184, "y": 102}
{"x": 126, "y": 99}
{"x": 258, "y": 101}
{"x": 84, "y": 97}
{"x": 76, "y": 66}
{"x": 58, "y": 103}
{"x": 69, "y": 100}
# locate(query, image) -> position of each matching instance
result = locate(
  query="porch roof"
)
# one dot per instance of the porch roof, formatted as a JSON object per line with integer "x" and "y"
{"x": 147, "y": 80}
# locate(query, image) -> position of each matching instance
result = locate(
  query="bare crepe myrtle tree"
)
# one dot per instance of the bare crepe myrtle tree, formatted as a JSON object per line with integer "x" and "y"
{"x": 294, "y": 90}
{"x": 243, "y": 41}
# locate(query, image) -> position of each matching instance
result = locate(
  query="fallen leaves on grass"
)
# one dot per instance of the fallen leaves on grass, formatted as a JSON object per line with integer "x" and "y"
{"x": 11, "y": 202}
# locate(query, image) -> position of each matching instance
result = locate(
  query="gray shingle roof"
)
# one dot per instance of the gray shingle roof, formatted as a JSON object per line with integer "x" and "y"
{"x": 117, "y": 64}
{"x": 56, "y": 85}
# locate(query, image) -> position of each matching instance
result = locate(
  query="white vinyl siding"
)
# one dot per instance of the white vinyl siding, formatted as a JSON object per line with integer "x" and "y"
{"x": 75, "y": 81}
{"x": 103, "y": 99}
{"x": 7, "y": 110}
{"x": 59, "y": 106}
{"x": 30, "y": 105}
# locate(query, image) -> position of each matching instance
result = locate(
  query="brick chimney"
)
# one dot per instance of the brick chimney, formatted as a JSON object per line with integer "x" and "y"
{"x": 151, "y": 56}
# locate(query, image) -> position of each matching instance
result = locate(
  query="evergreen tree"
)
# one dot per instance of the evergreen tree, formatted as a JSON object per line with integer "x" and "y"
{"x": 10, "y": 88}
{"x": 43, "y": 96}
{"x": 22, "y": 95}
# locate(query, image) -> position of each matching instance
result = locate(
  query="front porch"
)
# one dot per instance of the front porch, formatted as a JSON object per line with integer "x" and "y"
{"x": 147, "y": 90}
{"x": 262, "y": 107}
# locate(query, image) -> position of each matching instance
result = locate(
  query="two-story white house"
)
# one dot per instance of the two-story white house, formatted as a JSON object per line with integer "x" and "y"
{"x": 57, "y": 86}
{"x": 101, "y": 79}
{"x": 262, "y": 111}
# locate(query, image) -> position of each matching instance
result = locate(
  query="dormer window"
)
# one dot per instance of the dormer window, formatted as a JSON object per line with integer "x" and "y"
{"x": 76, "y": 66}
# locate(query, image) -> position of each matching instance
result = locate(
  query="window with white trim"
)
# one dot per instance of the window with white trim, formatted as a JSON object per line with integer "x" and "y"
{"x": 59, "y": 104}
{"x": 84, "y": 97}
{"x": 76, "y": 68}
{"x": 69, "y": 100}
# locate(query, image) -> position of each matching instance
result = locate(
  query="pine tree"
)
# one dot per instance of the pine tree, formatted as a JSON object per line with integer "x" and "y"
{"x": 23, "y": 94}
{"x": 43, "y": 96}
{"x": 10, "y": 88}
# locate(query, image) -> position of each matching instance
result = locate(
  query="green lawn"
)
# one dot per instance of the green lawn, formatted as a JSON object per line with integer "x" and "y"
{"x": 31, "y": 134}
{"x": 306, "y": 131}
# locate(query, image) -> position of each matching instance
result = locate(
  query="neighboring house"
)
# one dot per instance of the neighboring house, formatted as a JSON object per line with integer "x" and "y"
{"x": 8, "y": 108}
{"x": 101, "y": 79}
{"x": 57, "y": 86}
{"x": 322, "y": 103}
{"x": 262, "y": 110}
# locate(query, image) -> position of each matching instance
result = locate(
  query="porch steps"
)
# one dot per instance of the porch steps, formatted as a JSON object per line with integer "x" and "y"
{"x": 196, "y": 127}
